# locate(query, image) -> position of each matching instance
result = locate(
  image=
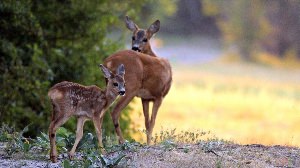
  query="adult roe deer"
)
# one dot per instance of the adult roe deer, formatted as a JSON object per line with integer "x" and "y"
{"x": 85, "y": 102}
{"x": 148, "y": 77}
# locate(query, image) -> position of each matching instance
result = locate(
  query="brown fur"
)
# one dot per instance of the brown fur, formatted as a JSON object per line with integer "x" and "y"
{"x": 147, "y": 77}
{"x": 85, "y": 102}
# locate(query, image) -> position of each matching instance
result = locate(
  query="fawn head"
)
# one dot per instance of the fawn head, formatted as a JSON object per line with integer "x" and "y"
{"x": 115, "y": 82}
{"x": 141, "y": 37}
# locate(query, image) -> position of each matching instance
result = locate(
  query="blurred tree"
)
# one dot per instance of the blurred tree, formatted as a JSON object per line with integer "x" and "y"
{"x": 258, "y": 26}
{"x": 239, "y": 22}
{"x": 284, "y": 17}
{"x": 152, "y": 10}
{"x": 190, "y": 19}
{"x": 45, "y": 42}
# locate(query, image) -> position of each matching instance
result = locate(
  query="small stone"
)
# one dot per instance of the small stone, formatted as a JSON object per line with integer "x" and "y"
{"x": 248, "y": 162}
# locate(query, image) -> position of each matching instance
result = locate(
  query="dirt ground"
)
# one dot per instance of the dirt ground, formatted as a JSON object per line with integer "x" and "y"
{"x": 208, "y": 154}
{"x": 229, "y": 155}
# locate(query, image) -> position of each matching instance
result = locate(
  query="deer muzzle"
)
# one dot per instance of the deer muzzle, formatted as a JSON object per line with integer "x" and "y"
{"x": 136, "y": 49}
{"x": 122, "y": 92}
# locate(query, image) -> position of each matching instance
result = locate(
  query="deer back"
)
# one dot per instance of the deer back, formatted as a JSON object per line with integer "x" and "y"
{"x": 72, "y": 97}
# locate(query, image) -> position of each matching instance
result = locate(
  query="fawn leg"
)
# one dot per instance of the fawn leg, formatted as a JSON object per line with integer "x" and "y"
{"x": 79, "y": 134}
{"x": 54, "y": 125}
{"x": 98, "y": 120}
{"x": 52, "y": 137}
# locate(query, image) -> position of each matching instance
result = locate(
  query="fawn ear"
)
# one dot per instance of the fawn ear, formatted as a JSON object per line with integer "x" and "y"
{"x": 106, "y": 72}
{"x": 130, "y": 24}
{"x": 154, "y": 27}
{"x": 121, "y": 70}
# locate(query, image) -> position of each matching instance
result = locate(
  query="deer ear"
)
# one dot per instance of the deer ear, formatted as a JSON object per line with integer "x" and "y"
{"x": 154, "y": 27}
{"x": 106, "y": 72}
{"x": 130, "y": 24}
{"x": 121, "y": 70}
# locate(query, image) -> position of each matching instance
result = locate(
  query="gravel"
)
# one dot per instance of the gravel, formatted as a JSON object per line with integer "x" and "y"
{"x": 204, "y": 154}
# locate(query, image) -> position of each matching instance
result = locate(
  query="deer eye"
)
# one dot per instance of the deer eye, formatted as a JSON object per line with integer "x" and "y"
{"x": 115, "y": 84}
{"x": 145, "y": 40}
{"x": 133, "y": 38}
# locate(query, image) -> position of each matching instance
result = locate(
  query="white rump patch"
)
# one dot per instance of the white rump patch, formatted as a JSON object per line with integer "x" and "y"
{"x": 109, "y": 65}
{"x": 55, "y": 94}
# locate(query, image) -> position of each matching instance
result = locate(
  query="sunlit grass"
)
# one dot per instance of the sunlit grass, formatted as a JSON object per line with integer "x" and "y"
{"x": 243, "y": 103}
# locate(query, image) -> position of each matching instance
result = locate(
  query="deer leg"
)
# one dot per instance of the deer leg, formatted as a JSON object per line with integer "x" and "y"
{"x": 52, "y": 138}
{"x": 115, "y": 114}
{"x": 146, "y": 114}
{"x": 156, "y": 104}
{"x": 54, "y": 125}
{"x": 98, "y": 120}
{"x": 79, "y": 134}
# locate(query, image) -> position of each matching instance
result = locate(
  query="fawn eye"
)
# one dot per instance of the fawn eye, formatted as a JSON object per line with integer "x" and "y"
{"x": 133, "y": 38}
{"x": 115, "y": 84}
{"x": 145, "y": 40}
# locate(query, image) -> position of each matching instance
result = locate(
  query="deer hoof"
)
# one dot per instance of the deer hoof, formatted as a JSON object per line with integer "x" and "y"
{"x": 71, "y": 156}
{"x": 121, "y": 141}
{"x": 53, "y": 159}
{"x": 103, "y": 151}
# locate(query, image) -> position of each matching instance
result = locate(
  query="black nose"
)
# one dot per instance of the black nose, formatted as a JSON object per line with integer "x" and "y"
{"x": 135, "y": 49}
{"x": 122, "y": 93}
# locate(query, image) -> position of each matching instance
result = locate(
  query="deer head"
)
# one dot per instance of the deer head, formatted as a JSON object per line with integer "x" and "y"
{"x": 115, "y": 82}
{"x": 141, "y": 37}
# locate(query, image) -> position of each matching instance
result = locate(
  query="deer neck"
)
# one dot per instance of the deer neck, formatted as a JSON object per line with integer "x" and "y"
{"x": 149, "y": 51}
{"x": 110, "y": 97}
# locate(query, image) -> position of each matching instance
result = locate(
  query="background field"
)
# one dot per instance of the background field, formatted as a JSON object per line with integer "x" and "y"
{"x": 242, "y": 102}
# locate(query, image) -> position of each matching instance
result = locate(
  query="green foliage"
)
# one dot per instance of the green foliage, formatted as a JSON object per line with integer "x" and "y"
{"x": 66, "y": 164}
{"x": 111, "y": 162}
{"x": 94, "y": 160}
{"x": 65, "y": 141}
{"x": 90, "y": 155}
{"x": 42, "y": 142}
{"x": 6, "y": 132}
{"x": 45, "y": 42}
{"x": 128, "y": 146}
{"x": 88, "y": 142}
{"x": 171, "y": 136}
{"x": 88, "y": 147}
{"x": 18, "y": 143}
{"x": 169, "y": 139}
{"x": 168, "y": 145}
{"x": 212, "y": 144}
